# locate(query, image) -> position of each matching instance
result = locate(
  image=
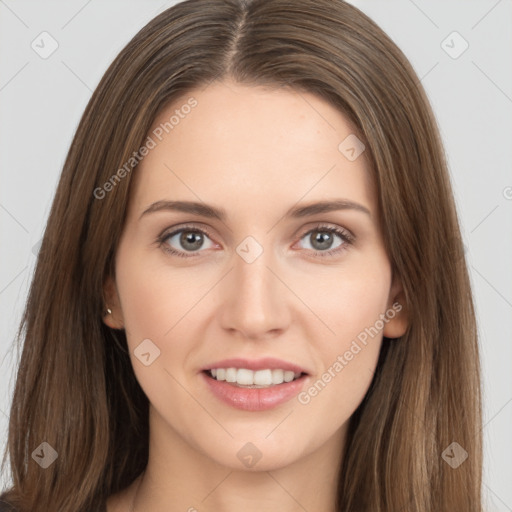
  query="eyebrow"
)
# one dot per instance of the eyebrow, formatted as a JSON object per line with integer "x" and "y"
{"x": 213, "y": 212}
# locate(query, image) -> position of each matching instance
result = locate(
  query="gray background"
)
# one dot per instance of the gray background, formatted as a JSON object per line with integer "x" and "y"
{"x": 41, "y": 101}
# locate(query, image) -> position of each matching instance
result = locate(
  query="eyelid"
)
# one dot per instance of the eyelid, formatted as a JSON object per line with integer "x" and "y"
{"x": 168, "y": 232}
{"x": 319, "y": 226}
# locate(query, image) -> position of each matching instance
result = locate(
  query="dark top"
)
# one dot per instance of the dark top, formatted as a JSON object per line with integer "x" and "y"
{"x": 4, "y": 507}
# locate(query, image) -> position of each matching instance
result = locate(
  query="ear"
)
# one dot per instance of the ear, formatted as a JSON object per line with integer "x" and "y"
{"x": 396, "y": 312}
{"x": 115, "y": 319}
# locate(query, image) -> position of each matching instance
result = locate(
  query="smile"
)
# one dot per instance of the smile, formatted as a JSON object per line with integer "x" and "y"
{"x": 261, "y": 395}
{"x": 259, "y": 379}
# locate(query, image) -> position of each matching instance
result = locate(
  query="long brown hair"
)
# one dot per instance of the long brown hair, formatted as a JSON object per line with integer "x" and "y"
{"x": 75, "y": 386}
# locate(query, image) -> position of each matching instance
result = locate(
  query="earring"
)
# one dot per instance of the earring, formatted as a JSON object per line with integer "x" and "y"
{"x": 108, "y": 312}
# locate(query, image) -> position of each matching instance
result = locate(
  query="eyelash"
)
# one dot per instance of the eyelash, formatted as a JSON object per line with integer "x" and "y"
{"x": 346, "y": 236}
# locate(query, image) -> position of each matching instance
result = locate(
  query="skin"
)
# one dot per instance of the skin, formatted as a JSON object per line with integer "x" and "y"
{"x": 256, "y": 152}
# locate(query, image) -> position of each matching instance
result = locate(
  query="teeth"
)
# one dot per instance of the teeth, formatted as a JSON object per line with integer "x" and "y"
{"x": 243, "y": 376}
{"x": 231, "y": 375}
{"x": 259, "y": 378}
{"x": 277, "y": 376}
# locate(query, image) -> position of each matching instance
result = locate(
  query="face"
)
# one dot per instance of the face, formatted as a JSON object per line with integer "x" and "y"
{"x": 225, "y": 264}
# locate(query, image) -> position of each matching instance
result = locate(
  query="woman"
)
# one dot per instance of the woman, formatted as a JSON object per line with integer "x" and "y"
{"x": 251, "y": 291}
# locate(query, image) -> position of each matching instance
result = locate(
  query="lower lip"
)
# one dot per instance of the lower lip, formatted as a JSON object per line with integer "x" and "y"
{"x": 254, "y": 399}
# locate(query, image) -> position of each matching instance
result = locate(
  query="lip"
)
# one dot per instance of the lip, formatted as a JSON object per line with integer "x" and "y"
{"x": 265, "y": 363}
{"x": 254, "y": 399}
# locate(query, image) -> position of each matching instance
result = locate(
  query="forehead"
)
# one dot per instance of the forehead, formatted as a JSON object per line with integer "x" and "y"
{"x": 235, "y": 143}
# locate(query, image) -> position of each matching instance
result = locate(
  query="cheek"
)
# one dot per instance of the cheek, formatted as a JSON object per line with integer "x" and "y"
{"x": 359, "y": 306}
{"x": 153, "y": 297}
{"x": 161, "y": 304}
{"x": 349, "y": 300}
{"x": 154, "y": 301}
{"x": 352, "y": 307}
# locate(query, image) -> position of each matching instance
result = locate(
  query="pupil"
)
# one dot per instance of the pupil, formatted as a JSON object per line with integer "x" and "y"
{"x": 194, "y": 239}
{"x": 322, "y": 240}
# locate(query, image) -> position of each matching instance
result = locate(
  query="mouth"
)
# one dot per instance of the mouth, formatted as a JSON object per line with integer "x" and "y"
{"x": 254, "y": 385}
{"x": 253, "y": 379}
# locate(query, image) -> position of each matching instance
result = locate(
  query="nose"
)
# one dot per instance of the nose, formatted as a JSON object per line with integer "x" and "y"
{"x": 255, "y": 303}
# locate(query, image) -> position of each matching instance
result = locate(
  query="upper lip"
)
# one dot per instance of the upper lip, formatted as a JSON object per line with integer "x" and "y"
{"x": 257, "y": 364}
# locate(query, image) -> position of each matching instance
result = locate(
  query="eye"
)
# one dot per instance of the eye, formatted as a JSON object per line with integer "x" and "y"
{"x": 327, "y": 240}
{"x": 185, "y": 240}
